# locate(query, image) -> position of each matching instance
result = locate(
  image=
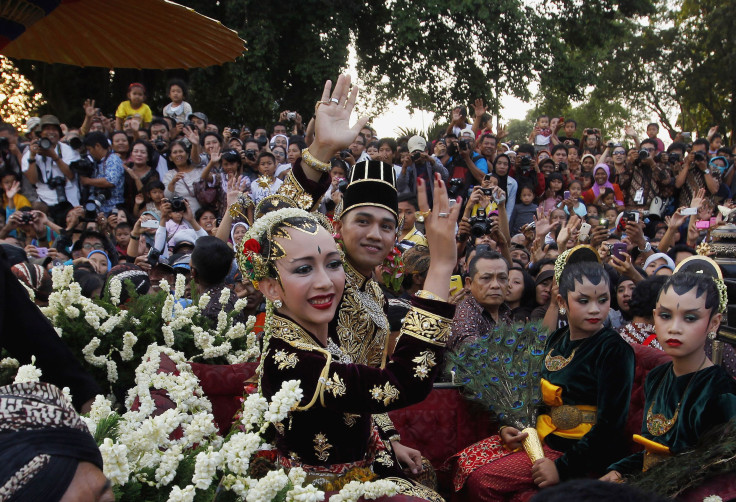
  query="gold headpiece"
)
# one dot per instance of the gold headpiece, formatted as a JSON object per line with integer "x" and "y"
{"x": 698, "y": 264}
{"x": 581, "y": 252}
{"x": 251, "y": 261}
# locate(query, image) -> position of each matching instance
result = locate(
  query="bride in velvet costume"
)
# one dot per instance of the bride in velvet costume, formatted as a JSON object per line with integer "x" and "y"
{"x": 690, "y": 395}
{"x": 297, "y": 265}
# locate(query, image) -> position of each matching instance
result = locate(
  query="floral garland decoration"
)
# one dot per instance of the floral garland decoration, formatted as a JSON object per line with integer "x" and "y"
{"x": 252, "y": 263}
{"x": 392, "y": 269}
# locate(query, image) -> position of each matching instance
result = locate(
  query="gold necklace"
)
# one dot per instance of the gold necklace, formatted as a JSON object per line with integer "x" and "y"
{"x": 556, "y": 363}
{"x": 658, "y": 424}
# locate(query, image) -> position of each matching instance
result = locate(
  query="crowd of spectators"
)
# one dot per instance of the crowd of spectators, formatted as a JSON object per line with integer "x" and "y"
{"x": 145, "y": 187}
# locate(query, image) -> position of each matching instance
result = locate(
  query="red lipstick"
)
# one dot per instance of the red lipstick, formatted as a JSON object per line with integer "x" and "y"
{"x": 673, "y": 342}
{"x": 322, "y": 302}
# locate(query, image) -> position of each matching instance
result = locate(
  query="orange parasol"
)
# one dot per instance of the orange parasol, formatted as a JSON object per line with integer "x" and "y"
{"x": 155, "y": 34}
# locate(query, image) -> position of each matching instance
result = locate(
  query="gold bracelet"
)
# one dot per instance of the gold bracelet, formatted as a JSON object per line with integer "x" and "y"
{"x": 314, "y": 163}
{"x": 423, "y": 293}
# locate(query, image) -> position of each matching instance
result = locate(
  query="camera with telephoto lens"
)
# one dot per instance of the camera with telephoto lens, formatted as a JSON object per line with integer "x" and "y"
{"x": 643, "y": 155}
{"x": 250, "y": 154}
{"x": 4, "y": 144}
{"x": 234, "y": 132}
{"x": 75, "y": 142}
{"x": 291, "y": 116}
{"x": 58, "y": 183}
{"x": 416, "y": 156}
{"x": 178, "y": 205}
{"x": 479, "y": 224}
{"x": 153, "y": 256}
{"x": 159, "y": 143}
{"x": 83, "y": 167}
{"x": 44, "y": 144}
{"x": 261, "y": 140}
{"x": 93, "y": 206}
{"x": 699, "y": 157}
{"x": 454, "y": 186}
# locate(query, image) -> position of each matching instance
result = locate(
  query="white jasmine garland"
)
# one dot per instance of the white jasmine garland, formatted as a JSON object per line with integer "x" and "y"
{"x": 205, "y": 467}
{"x": 93, "y": 320}
{"x": 285, "y": 399}
{"x": 168, "y": 335}
{"x": 163, "y": 285}
{"x": 112, "y": 371}
{"x": 713, "y": 498}
{"x": 89, "y": 353}
{"x": 266, "y": 488}
{"x": 238, "y": 451}
{"x": 224, "y": 296}
{"x": 221, "y": 321}
{"x": 167, "y": 311}
{"x": 182, "y": 494}
{"x": 240, "y": 304}
{"x": 28, "y": 372}
{"x": 352, "y": 491}
{"x": 254, "y": 407}
{"x": 116, "y": 287}
{"x": 72, "y": 312}
{"x": 115, "y": 461}
{"x": 9, "y": 363}
{"x": 129, "y": 340}
{"x": 180, "y": 286}
{"x": 204, "y": 300}
{"x": 308, "y": 493}
{"x": 166, "y": 470}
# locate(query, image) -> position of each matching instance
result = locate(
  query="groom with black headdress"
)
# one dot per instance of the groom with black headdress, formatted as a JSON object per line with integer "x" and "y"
{"x": 367, "y": 227}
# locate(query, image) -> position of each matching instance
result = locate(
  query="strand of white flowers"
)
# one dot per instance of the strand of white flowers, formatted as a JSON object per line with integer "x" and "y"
{"x": 28, "y": 373}
{"x": 129, "y": 340}
{"x": 115, "y": 461}
{"x": 116, "y": 287}
{"x": 179, "y": 286}
{"x": 372, "y": 490}
{"x": 308, "y": 493}
{"x": 89, "y": 353}
{"x": 266, "y": 488}
{"x": 182, "y": 494}
{"x": 283, "y": 401}
{"x": 9, "y": 363}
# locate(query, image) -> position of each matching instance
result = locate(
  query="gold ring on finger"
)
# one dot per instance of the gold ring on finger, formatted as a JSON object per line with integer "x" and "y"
{"x": 421, "y": 215}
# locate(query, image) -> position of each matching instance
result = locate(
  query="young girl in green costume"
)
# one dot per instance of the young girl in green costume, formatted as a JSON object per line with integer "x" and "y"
{"x": 690, "y": 395}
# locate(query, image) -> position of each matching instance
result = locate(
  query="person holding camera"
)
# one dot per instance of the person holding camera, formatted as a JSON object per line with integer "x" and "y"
{"x": 416, "y": 163}
{"x": 527, "y": 170}
{"x": 104, "y": 175}
{"x": 46, "y": 165}
{"x": 696, "y": 174}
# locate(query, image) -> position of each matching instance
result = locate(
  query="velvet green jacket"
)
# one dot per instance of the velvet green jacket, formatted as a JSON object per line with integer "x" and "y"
{"x": 710, "y": 400}
{"x": 600, "y": 374}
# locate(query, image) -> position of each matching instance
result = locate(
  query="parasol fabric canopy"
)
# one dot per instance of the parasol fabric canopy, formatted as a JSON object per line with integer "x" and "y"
{"x": 155, "y": 34}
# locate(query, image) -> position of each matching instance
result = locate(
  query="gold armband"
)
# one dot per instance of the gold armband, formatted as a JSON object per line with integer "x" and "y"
{"x": 314, "y": 163}
{"x": 428, "y": 295}
{"x": 426, "y": 326}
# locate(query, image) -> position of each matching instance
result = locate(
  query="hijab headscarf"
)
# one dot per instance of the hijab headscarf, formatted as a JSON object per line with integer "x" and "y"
{"x": 109, "y": 263}
{"x": 596, "y": 187}
{"x": 502, "y": 180}
{"x": 236, "y": 225}
{"x": 273, "y": 140}
{"x": 43, "y": 441}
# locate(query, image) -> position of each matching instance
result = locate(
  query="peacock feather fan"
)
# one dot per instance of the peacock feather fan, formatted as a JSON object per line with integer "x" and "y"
{"x": 502, "y": 369}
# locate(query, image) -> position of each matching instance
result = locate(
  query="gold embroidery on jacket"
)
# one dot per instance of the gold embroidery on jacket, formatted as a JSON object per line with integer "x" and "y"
{"x": 387, "y": 394}
{"x": 285, "y": 359}
{"x": 425, "y": 362}
{"x": 349, "y": 418}
{"x": 335, "y": 385}
{"x": 321, "y": 446}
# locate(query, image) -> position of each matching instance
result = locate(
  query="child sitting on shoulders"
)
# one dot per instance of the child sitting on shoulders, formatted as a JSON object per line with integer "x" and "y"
{"x": 178, "y": 109}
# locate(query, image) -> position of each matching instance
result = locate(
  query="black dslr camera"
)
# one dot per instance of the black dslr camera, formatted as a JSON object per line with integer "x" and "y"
{"x": 479, "y": 224}
{"x": 250, "y": 154}
{"x": 526, "y": 163}
{"x": 454, "y": 186}
{"x": 234, "y": 132}
{"x": 44, "y": 144}
{"x": 83, "y": 167}
{"x": 178, "y": 205}
{"x": 93, "y": 206}
{"x": 699, "y": 157}
{"x": 643, "y": 155}
{"x": 58, "y": 183}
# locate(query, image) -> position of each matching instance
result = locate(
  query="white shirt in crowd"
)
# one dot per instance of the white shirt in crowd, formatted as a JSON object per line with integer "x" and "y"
{"x": 48, "y": 169}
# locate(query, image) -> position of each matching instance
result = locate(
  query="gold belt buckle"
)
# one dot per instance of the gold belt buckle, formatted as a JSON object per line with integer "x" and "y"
{"x": 566, "y": 417}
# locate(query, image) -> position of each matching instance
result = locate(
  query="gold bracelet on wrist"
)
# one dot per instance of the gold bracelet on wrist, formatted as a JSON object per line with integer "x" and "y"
{"x": 428, "y": 295}
{"x": 313, "y": 162}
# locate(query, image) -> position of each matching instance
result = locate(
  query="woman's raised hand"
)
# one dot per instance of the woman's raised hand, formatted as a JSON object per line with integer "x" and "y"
{"x": 332, "y": 119}
{"x": 439, "y": 224}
